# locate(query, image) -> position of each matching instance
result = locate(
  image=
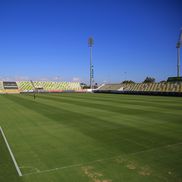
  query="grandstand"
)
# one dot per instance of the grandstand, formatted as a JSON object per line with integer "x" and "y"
{"x": 168, "y": 88}
{"x": 111, "y": 87}
{"x": 38, "y": 86}
{"x": 1, "y": 87}
{"x": 9, "y": 87}
{"x": 25, "y": 86}
{"x": 55, "y": 86}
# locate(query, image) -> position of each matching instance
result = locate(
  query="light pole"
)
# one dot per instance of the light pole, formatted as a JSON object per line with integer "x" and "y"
{"x": 90, "y": 44}
{"x": 178, "y": 45}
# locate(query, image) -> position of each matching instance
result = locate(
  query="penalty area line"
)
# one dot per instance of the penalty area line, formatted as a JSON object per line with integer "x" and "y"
{"x": 11, "y": 153}
{"x": 99, "y": 160}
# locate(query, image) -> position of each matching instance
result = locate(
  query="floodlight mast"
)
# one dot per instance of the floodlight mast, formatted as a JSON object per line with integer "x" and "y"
{"x": 90, "y": 44}
{"x": 178, "y": 45}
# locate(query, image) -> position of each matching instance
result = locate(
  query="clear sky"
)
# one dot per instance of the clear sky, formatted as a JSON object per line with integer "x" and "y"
{"x": 47, "y": 39}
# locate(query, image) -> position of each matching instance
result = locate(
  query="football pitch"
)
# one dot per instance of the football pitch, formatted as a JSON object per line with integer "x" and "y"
{"x": 91, "y": 138}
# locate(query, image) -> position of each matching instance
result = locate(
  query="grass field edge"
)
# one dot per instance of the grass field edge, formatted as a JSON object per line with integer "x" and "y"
{"x": 11, "y": 153}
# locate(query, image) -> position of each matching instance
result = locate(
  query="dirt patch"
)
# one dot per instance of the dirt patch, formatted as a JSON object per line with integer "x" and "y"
{"x": 169, "y": 172}
{"x": 145, "y": 171}
{"x": 94, "y": 176}
{"x": 120, "y": 160}
{"x": 131, "y": 165}
{"x": 105, "y": 180}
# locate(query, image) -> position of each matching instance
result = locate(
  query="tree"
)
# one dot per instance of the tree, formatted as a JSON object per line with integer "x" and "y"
{"x": 96, "y": 85}
{"x": 163, "y": 81}
{"x": 84, "y": 86}
{"x": 128, "y": 81}
{"x": 149, "y": 80}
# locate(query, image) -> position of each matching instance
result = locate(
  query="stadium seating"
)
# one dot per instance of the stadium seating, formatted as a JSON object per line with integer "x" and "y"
{"x": 111, "y": 87}
{"x": 48, "y": 86}
{"x": 25, "y": 86}
{"x": 1, "y": 85}
{"x": 143, "y": 87}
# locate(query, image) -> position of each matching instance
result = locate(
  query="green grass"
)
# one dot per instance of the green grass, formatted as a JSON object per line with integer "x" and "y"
{"x": 91, "y": 137}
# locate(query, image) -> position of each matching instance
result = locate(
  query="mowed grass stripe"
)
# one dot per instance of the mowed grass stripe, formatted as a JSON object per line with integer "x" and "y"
{"x": 47, "y": 133}
{"x": 154, "y": 139}
{"x": 119, "y": 98}
{"x": 122, "y": 108}
{"x": 73, "y": 133}
{"x": 63, "y": 116}
{"x": 142, "y": 119}
{"x": 39, "y": 131}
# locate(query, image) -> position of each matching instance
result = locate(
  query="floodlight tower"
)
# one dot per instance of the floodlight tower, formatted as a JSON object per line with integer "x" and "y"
{"x": 90, "y": 44}
{"x": 178, "y": 45}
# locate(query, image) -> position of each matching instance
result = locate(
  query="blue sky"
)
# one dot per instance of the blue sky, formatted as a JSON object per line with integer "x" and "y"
{"x": 47, "y": 39}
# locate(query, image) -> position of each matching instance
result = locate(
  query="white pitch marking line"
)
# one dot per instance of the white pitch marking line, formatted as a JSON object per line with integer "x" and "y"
{"x": 11, "y": 153}
{"x": 29, "y": 167}
{"x": 99, "y": 160}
